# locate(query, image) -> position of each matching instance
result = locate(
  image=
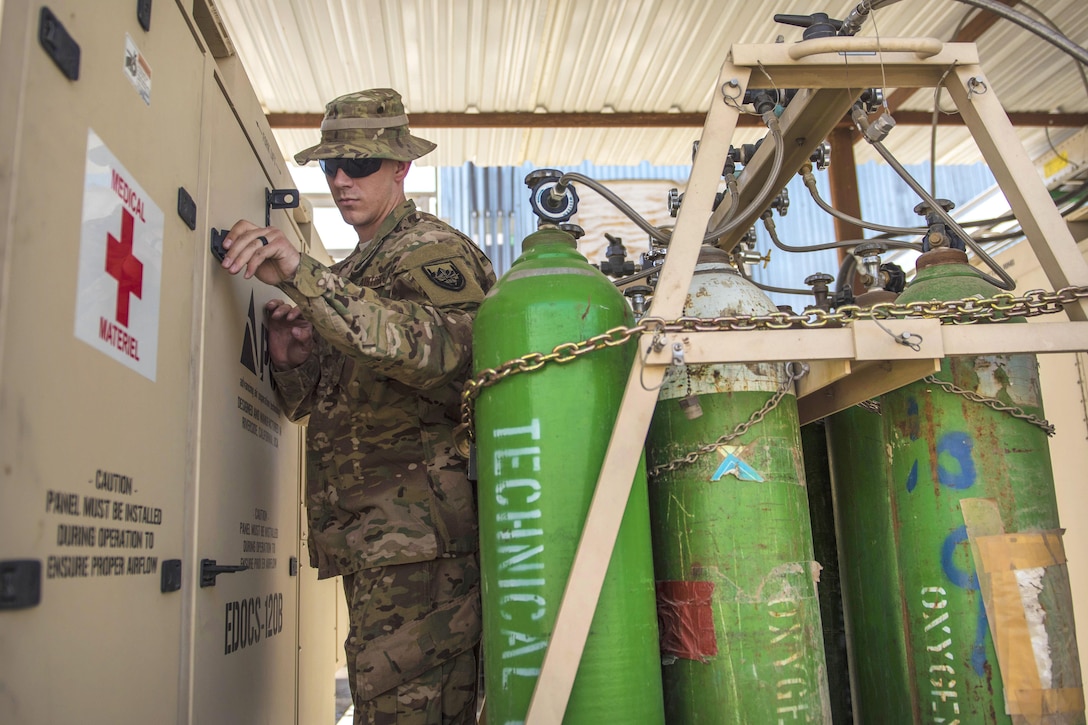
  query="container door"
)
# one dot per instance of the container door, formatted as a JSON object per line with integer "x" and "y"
{"x": 247, "y": 483}
{"x": 96, "y": 319}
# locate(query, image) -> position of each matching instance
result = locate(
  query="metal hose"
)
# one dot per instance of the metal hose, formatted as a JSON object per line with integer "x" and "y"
{"x": 1003, "y": 280}
{"x": 660, "y": 236}
{"x": 1049, "y": 35}
{"x": 810, "y": 183}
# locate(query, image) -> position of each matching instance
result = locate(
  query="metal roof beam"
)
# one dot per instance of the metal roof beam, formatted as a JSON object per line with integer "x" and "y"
{"x": 525, "y": 119}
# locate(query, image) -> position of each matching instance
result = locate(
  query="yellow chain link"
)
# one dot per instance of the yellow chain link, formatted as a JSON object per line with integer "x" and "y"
{"x": 1001, "y": 306}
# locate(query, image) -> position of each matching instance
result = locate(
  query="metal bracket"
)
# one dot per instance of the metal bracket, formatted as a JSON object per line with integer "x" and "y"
{"x": 278, "y": 199}
{"x": 678, "y": 354}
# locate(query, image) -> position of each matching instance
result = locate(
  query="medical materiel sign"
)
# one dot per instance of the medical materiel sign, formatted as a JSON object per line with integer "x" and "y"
{"x": 120, "y": 263}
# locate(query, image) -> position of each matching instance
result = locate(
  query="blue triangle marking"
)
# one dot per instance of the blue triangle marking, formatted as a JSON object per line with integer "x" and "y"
{"x": 733, "y": 465}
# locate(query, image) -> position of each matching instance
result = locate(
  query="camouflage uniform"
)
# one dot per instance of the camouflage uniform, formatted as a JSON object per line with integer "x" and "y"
{"x": 389, "y": 503}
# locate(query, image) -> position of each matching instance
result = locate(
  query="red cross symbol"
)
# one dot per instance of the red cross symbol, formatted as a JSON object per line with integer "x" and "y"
{"x": 124, "y": 267}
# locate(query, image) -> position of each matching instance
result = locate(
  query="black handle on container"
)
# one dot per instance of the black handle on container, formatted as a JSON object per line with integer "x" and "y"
{"x": 209, "y": 570}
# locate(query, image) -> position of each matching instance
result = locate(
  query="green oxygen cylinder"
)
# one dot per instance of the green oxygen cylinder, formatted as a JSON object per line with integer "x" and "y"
{"x": 952, "y": 458}
{"x": 541, "y": 438}
{"x": 882, "y": 689}
{"x": 740, "y": 618}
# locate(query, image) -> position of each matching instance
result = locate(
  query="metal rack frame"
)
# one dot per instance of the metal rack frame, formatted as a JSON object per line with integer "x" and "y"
{"x": 848, "y": 364}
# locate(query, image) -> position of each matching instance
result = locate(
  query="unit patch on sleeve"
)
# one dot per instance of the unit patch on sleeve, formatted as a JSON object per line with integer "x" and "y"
{"x": 446, "y": 275}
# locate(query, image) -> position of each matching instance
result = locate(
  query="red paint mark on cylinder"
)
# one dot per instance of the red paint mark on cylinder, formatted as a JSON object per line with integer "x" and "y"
{"x": 687, "y": 619}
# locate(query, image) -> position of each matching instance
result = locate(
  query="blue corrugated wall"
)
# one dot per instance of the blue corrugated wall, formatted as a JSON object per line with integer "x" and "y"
{"x": 491, "y": 203}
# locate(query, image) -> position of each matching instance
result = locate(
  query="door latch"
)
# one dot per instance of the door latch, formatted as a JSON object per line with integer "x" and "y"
{"x": 218, "y": 235}
{"x": 209, "y": 570}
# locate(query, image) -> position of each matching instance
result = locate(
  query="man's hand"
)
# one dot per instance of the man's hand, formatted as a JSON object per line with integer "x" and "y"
{"x": 290, "y": 335}
{"x": 261, "y": 251}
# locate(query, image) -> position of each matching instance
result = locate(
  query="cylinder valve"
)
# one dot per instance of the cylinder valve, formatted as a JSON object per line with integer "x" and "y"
{"x": 552, "y": 202}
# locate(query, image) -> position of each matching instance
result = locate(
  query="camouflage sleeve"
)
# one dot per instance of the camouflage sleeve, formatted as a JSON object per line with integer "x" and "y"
{"x": 422, "y": 337}
{"x": 295, "y": 387}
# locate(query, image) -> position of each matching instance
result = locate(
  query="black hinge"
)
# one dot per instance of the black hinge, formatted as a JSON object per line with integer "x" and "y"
{"x": 186, "y": 208}
{"x": 20, "y": 583}
{"x": 58, "y": 44}
{"x": 143, "y": 14}
{"x": 170, "y": 580}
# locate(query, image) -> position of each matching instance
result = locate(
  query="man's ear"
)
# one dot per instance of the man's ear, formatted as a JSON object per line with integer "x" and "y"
{"x": 401, "y": 170}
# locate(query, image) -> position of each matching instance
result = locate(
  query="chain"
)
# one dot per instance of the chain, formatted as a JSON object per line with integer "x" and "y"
{"x": 963, "y": 311}
{"x": 871, "y": 405}
{"x": 564, "y": 353}
{"x": 794, "y": 370}
{"x": 997, "y": 405}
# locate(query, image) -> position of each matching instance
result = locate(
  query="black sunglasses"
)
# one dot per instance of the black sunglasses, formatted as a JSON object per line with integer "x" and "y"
{"x": 354, "y": 168}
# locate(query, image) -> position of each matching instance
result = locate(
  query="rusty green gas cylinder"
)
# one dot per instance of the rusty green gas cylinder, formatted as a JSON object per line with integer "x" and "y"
{"x": 882, "y": 688}
{"x": 541, "y": 438}
{"x": 740, "y": 619}
{"x": 944, "y": 449}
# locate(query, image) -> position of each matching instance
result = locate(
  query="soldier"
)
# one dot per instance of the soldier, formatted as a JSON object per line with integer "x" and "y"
{"x": 375, "y": 350}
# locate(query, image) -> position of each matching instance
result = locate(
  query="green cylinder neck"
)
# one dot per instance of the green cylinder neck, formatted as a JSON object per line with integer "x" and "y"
{"x": 946, "y": 277}
{"x": 548, "y": 236}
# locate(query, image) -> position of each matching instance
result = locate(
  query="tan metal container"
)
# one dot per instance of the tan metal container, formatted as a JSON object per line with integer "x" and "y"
{"x": 139, "y": 433}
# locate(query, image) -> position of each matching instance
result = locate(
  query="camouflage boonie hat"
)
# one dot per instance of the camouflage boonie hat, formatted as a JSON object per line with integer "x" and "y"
{"x": 367, "y": 124}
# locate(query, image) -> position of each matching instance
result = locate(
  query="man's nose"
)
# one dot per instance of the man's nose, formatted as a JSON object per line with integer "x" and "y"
{"x": 342, "y": 179}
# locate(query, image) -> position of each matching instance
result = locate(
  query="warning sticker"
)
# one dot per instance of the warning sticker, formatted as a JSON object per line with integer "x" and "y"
{"x": 137, "y": 70}
{"x": 120, "y": 263}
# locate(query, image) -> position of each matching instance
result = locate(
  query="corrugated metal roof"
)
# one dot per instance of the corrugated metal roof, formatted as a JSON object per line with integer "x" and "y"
{"x": 595, "y": 56}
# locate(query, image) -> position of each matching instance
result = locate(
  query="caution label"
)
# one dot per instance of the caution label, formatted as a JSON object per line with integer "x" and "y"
{"x": 137, "y": 69}
{"x": 259, "y": 541}
{"x": 98, "y": 536}
{"x": 120, "y": 263}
